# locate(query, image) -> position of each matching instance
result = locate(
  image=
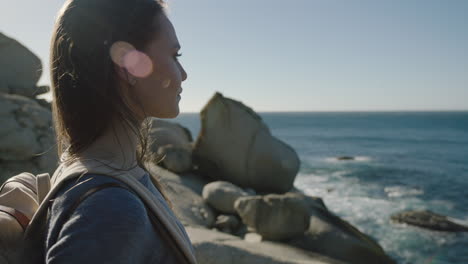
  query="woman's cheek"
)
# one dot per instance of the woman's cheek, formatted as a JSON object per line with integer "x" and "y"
{"x": 163, "y": 75}
{"x": 166, "y": 83}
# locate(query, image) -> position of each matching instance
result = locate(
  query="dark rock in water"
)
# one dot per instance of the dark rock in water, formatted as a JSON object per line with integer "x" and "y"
{"x": 429, "y": 220}
{"x": 345, "y": 158}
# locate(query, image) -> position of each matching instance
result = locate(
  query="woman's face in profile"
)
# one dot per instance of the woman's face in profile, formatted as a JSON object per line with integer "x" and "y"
{"x": 159, "y": 75}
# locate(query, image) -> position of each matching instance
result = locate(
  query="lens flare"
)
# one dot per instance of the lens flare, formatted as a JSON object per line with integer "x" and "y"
{"x": 135, "y": 62}
{"x": 138, "y": 63}
{"x": 118, "y": 51}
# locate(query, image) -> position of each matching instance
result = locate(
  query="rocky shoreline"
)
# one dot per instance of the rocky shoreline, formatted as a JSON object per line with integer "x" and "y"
{"x": 257, "y": 216}
{"x": 231, "y": 187}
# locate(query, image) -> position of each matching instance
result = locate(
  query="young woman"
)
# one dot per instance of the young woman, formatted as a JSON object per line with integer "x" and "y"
{"x": 113, "y": 64}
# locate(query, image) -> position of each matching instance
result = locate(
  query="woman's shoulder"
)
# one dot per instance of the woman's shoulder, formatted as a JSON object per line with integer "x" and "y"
{"x": 72, "y": 192}
{"x": 103, "y": 223}
{"x": 109, "y": 203}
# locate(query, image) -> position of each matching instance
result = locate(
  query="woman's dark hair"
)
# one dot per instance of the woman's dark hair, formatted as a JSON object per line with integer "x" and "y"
{"x": 86, "y": 88}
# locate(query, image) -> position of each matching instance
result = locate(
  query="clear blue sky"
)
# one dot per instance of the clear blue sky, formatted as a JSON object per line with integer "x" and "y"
{"x": 303, "y": 55}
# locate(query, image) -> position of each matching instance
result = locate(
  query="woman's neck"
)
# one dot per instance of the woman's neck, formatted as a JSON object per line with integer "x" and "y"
{"x": 117, "y": 145}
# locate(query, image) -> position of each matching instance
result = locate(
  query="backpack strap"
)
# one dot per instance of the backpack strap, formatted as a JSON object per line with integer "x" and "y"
{"x": 43, "y": 186}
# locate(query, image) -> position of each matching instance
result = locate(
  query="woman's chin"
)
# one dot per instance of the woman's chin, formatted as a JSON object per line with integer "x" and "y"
{"x": 176, "y": 114}
{"x": 172, "y": 114}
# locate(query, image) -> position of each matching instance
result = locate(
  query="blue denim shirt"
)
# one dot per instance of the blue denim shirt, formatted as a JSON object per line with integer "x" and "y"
{"x": 110, "y": 226}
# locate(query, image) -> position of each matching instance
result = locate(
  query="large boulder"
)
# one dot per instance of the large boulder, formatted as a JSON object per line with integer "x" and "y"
{"x": 236, "y": 146}
{"x": 429, "y": 220}
{"x": 212, "y": 247}
{"x": 27, "y": 139}
{"x": 331, "y": 236}
{"x": 183, "y": 192}
{"x": 221, "y": 195}
{"x": 20, "y": 69}
{"x": 171, "y": 145}
{"x": 274, "y": 216}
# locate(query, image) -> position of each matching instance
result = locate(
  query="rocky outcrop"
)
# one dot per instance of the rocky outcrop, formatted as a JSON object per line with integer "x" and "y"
{"x": 429, "y": 220}
{"x": 324, "y": 235}
{"x": 221, "y": 195}
{"x": 236, "y": 146}
{"x": 171, "y": 145}
{"x": 327, "y": 234}
{"x": 27, "y": 141}
{"x": 274, "y": 216}
{"x": 319, "y": 232}
{"x": 212, "y": 247}
{"x": 20, "y": 69}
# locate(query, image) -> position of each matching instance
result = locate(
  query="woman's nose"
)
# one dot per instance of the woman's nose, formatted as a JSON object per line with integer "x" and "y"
{"x": 184, "y": 73}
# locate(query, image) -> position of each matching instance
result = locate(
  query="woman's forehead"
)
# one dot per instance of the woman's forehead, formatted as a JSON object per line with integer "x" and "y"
{"x": 167, "y": 34}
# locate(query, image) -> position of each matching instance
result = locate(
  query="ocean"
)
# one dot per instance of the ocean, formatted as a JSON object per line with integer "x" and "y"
{"x": 403, "y": 161}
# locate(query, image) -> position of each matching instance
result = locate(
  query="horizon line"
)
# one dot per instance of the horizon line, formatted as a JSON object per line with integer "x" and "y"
{"x": 351, "y": 111}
